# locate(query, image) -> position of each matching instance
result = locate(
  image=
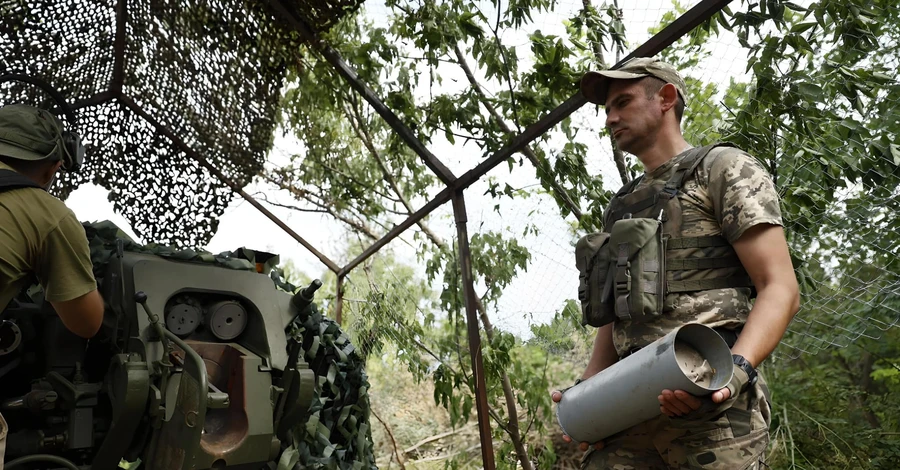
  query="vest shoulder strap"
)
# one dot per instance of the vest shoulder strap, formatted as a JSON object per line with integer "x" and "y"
{"x": 628, "y": 187}
{"x": 659, "y": 199}
{"x": 688, "y": 165}
{"x": 10, "y": 180}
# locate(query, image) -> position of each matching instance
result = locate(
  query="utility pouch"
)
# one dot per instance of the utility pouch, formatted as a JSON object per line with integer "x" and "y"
{"x": 592, "y": 258}
{"x": 637, "y": 249}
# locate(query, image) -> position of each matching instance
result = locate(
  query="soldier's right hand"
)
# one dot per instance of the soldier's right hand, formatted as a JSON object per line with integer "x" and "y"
{"x": 556, "y": 396}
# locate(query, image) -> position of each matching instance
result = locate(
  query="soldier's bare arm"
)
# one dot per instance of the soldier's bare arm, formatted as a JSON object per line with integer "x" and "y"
{"x": 604, "y": 353}
{"x": 81, "y": 315}
{"x": 764, "y": 253}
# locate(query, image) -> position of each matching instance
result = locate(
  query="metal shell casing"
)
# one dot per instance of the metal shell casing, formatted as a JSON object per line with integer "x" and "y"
{"x": 626, "y": 393}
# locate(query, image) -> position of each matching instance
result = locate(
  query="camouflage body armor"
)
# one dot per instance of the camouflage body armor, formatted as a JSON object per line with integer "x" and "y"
{"x": 626, "y": 271}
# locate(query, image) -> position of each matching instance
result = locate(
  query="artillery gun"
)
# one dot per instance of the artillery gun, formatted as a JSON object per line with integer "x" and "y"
{"x": 200, "y": 364}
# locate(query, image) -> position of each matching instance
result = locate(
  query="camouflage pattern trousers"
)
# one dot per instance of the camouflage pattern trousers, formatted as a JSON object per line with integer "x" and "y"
{"x": 735, "y": 440}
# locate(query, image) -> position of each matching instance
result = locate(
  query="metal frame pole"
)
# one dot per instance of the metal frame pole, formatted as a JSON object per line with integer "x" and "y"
{"x": 693, "y": 17}
{"x": 676, "y": 29}
{"x": 337, "y": 62}
{"x": 339, "y": 299}
{"x": 474, "y": 332}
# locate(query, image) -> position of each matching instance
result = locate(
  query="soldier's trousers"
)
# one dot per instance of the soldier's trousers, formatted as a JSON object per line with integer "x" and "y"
{"x": 734, "y": 440}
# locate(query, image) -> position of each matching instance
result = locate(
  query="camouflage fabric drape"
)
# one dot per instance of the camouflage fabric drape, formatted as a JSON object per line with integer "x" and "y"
{"x": 158, "y": 85}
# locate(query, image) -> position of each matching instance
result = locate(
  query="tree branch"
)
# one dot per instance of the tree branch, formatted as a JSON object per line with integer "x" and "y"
{"x": 305, "y": 196}
{"x": 359, "y": 127}
{"x": 367, "y": 186}
{"x": 461, "y": 136}
{"x": 438, "y": 437}
{"x": 425, "y": 58}
{"x": 618, "y": 155}
{"x": 512, "y": 95}
{"x": 864, "y": 382}
{"x": 265, "y": 198}
{"x": 539, "y": 163}
{"x": 391, "y": 436}
{"x": 512, "y": 426}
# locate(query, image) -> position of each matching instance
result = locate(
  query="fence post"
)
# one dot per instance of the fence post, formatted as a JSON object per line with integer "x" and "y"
{"x": 468, "y": 285}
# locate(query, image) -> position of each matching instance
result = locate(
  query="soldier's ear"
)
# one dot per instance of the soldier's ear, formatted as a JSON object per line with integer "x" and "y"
{"x": 668, "y": 96}
{"x": 48, "y": 173}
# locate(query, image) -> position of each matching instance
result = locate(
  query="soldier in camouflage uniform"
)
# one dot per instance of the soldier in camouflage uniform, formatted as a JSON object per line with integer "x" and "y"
{"x": 729, "y": 195}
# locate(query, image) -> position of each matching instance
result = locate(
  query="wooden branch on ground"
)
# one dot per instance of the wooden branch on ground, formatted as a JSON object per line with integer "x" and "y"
{"x": 437, "y": 437}
{"x": 448, "y": 456}
{"x": 391, "y": 436}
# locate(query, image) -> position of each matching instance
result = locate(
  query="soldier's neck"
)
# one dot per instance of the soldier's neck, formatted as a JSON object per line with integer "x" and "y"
{"x": 666, "y": 146}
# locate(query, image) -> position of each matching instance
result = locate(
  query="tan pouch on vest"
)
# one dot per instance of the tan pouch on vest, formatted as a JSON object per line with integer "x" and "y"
{"x": 637, "y": 251}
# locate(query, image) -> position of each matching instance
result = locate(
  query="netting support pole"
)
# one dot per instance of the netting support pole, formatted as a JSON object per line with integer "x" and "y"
{"x": 468, "y": 285}
{"x": 118, "y": 78}
{"x": 684, "y": 24}
{"x": 339, "y": 299}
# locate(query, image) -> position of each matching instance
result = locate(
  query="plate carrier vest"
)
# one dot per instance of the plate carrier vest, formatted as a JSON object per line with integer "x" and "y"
{"x": 626, "y": 272}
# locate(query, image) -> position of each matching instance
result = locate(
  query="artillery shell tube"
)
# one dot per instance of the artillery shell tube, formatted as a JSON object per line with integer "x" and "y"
{"x": 693, "y": 358}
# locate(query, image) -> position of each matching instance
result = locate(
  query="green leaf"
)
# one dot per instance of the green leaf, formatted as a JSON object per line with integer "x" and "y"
{"x": 802, "y": 27}
{"x": 895, "y": 152}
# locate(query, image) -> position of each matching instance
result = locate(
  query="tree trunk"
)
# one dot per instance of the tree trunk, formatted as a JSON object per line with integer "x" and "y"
{"x": 512, "y": 426}
{"x": 865, "y": 385}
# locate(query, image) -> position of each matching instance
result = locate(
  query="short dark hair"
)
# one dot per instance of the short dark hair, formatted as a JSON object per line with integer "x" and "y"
{"x": 26, "y": 167}
{"x": 652, "y": 85}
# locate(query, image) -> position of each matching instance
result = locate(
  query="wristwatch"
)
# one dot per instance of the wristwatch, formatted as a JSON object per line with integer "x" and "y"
{"x": 744, "y": 364}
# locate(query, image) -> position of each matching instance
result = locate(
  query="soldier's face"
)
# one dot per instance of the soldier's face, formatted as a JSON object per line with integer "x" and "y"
{"x": 633, "y": 119}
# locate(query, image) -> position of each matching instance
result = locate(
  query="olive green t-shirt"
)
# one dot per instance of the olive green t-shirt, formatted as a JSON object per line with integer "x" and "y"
{"x": 40, "y": 238}
{"x": 728, "y": 193}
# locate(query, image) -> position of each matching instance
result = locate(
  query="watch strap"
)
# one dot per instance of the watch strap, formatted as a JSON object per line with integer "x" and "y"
{"x": 744, "y": 365}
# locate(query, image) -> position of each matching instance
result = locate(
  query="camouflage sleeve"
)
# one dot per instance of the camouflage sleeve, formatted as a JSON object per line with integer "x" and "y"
{"x": 742, "y": 194}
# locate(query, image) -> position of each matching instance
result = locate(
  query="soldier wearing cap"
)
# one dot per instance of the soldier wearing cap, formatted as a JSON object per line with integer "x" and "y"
{"x": 40, "y": 238}
{"x": 727, "y": 195}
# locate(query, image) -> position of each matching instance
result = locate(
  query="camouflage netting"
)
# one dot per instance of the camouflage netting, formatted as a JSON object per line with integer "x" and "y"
{"x": 338, "y": 433}
{"x": 206, "y": 73}
{"x": 103, "y": 237}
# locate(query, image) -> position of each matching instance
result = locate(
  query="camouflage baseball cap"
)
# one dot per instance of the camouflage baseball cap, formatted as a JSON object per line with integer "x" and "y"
{"x": 29, "y": 133}
{"x": 595, "y": 85}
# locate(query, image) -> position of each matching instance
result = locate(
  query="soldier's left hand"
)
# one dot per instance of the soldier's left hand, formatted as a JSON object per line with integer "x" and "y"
{"x": 679, "y": 403}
